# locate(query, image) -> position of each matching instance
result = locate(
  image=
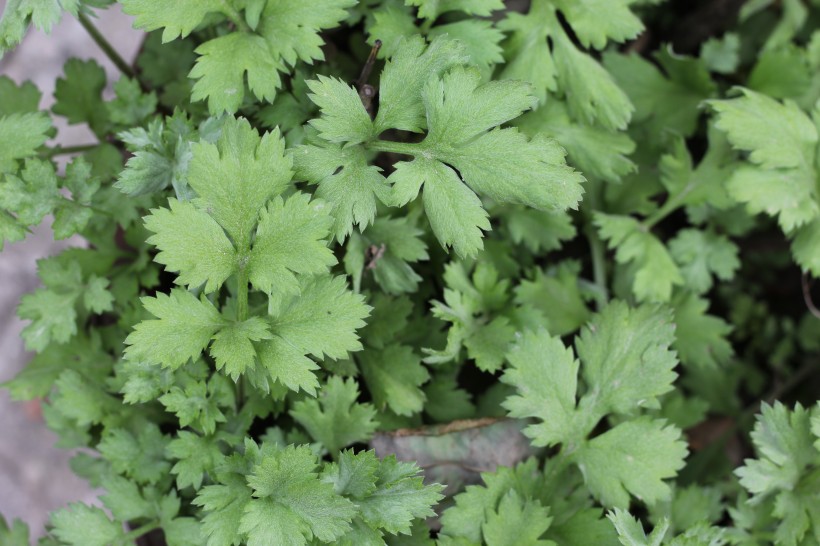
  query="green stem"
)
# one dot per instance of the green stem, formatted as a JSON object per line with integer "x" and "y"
{"x": 142, "y": 530}
{"x": 106, "y": 47}
{"x": 596, "y": 246}
{"x": 242, "y": 295}
{"x": 236, "y": 18}
{"x": 405, "y": 148}
{"x": 61, "y": 150}
{"x": 598, "y": 254}
{"x": 668, "y": 208}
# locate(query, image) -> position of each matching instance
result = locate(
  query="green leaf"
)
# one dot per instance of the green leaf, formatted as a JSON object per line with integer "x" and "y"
{"x": 178, "y": 19}
{"x": 630, "y": 530}
{"x": 344, "y": 118}
{"x": 700, "y": 338}
{"x": 83, "y": 525}
{"x": 236, "y": 177}
{"x": 79, "y": 95}
{"x": 393, "y": 377}
{"x": 20, "y": 136}
{"x": 404, "y": 77}
{"x": 139, "y": 455}
{"x": 557, "y": 298}
{"x": 290, "y": 241}
{"x": 191, "y": 244}
{"x": 321, "y": 321}
{"x": 233, "y": 349}
{"x": 597, "y": 21}
{"x": 781, "y": 142}
{"x": 594, "y": 150}
{"x": 501, "y": 163}
{"x": 655, "y": 272}
{"x": 480, "y": 38}
{"x": 454, "y": 211}
{"x": 592, "y": 93}
{"x": 545, "y": 375}
{"x": 19, "y": 14}
{"x": 345, "y": 180}
{"x": 130, "y": 106}
{"x": 124, "y": 499}
{"x": 17, "y": 535}
{"x": 196, "y": 456}
{"x": 220, "y": 71}
{"x": 701, "y": 254}
{"x": 287, "y": 31}
{"x": 292, "y": 505}
{"x": 430, "y": 9}
{"x": 632, "y": 458}
{"x": 390, "y": 495}
{"x": 335, "y": 418}
{"x": 182, "y": 329}
{"x": 517, "y": 521}
{"x": 665, "y": 98}
{"x": 627, "y": 358}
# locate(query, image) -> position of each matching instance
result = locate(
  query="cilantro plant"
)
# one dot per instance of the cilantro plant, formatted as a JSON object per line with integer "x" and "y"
{"x": 415, "y": 272}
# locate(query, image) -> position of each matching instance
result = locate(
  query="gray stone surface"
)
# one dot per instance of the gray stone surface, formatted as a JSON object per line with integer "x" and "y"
{"x": 34, "y": 475}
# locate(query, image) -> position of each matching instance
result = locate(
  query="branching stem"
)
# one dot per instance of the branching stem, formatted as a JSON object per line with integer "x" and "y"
{"x": 140, "y": 531}
{"x": 236, "y": 18}
{"x": 62, "y": 150}
{"x": 404, "y": 148}
{"x": 106, "y": 47}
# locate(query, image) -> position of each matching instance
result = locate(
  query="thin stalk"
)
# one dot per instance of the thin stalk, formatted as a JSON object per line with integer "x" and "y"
{"x": 61, "y": 150}
{"x": 242, "y": 295}
{"x": 142, "y": 530}
{"x": 597, "y": 249}
{"x": 668, "y": 208}
{"x": 236, "y": 18}
{"x": 405, "y": 148}
{"x": 106, "y": 47}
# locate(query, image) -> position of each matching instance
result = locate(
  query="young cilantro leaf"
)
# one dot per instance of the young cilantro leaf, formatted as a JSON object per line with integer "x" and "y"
{"x": 20, "y": 136}
{"x": 196, "y": 456}
{"x": 700, "y": 338}
{"x": 781, "y": 141}
{"x": 615, "y": 465}
{"x": 626, "y": 364}
{"x": 631, "y": 532}
{"x": 192, "y": 244}
{"x": 19, "y": 14}
{"x": 17, "y": 535}
{"x": 593, "y": 149}
{"x": 387, "y": 249}
{"x": 53, "y": 310}
{"x": 655, "y": 272}
{"x": 783, "y": 442}
{"x": 83, "y": 525}
{"x": 183, "y": 328}
{"x": 701, "y": 254}
{"x": 139, "y": 455}
{"x": 501, "y": 163}
{"x": 517, "y": 521}
{"x": 389, "y": 494}
{"x": 79, "y": 95}
{"x": 545, "y": 373}
{"x": 290, "y": 240}
{"x": 236, "y": 177}
{"x": 286, "y": 32}
{"x": 404, "y": 77}
{"x": 346, "y": 180}
{"x": 393, "y": 377}
{"x": 335, "y": 418}
{"x": 291, "y": 504}
{"x": 178, "y": 19}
